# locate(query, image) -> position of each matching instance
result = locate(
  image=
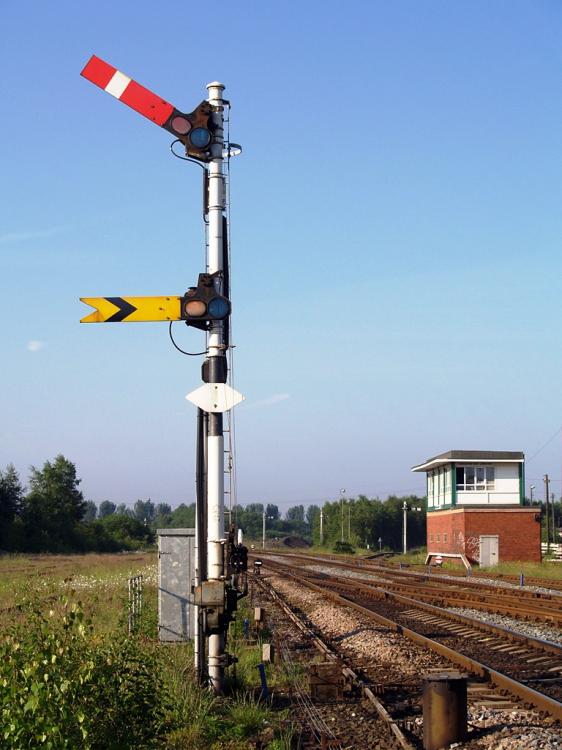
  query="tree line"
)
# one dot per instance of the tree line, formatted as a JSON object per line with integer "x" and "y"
{"x": 51, "y": 515}
{"x": 372, "y": 523}
{"x": 359, "y": 522}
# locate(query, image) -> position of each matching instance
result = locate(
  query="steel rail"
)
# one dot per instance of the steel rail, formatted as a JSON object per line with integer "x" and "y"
{"x": 469, "y": 584}
{"x": 505, "y": 602}
{"x": 380, "y": 593}
{"x": 489, "y": 604}
{"x": 332, "y": 656}
{"x": 548, "y": 583}
{"x": 486, "y": 627}
{"x": 446, "y": 579}
{"x": 503, "y": 682}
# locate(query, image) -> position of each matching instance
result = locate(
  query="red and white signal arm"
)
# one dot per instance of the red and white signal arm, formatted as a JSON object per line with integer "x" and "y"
{"x": 193, "y": 129}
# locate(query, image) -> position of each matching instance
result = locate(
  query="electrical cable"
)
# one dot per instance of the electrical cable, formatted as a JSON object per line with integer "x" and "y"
{"x": 550, "y": 439}
{"x": 204, "y": 168}
{"x": 185, "y": 158}
{"x": 189, "y": 354}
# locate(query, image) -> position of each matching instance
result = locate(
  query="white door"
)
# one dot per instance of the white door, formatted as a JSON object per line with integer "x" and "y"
{"x": 489, "y": 550}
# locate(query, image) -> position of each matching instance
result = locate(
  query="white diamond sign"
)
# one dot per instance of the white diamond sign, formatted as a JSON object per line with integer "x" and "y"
{"x": 215, "y": 397}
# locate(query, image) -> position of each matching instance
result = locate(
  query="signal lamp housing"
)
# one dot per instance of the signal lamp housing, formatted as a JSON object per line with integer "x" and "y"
{"x": 194, "y": 130}
{"x": 201, "y": 304}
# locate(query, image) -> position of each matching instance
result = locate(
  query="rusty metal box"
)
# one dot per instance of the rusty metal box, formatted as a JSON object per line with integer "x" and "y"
{"x": 210, "y": 594}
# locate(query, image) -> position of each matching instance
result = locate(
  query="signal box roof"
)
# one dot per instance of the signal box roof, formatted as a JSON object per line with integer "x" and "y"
{"x": 467, "y": 457}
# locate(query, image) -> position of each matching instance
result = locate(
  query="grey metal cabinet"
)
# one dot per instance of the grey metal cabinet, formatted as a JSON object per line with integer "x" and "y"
{"x": 176, "y": 612}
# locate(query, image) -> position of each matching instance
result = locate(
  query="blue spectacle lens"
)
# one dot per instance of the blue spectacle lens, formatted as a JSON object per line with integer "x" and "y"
{"x": 218, "y": 308}
{"x": 200, "y": 137}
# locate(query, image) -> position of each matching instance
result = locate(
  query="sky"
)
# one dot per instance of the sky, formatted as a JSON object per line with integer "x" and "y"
{"x": 396, "y": 230}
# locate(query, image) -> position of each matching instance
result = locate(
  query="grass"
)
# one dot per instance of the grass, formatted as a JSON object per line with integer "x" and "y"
{"x": 416, "y": 557}
{"x": 90, "y": 572}
{"x": 545, "y": 570}
{"x": 191, "y": 718}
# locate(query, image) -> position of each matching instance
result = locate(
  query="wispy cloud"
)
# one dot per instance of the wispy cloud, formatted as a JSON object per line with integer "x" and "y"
{"x": 35, "y": 346}
{"x": 13, "y": 237}
{"x": 275, "y": 399}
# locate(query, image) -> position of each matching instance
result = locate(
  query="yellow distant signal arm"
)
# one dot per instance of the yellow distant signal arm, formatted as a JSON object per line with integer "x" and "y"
{"x": 132, "y": 309}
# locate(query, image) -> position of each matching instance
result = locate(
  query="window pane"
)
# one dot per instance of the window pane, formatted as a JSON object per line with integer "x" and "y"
{"x": 490, "y": 474}
{"x": 460, "y": 477}
{"x": 469, "y": 476}
{"x": 479, "y": 473}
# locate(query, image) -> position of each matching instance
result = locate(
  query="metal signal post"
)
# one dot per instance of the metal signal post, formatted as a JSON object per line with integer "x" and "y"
{"x": 216, "y": 372}
{"x": 221, "y": 560}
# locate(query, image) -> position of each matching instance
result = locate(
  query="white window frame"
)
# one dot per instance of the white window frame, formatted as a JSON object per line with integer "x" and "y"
{"x": 483, "y": 482}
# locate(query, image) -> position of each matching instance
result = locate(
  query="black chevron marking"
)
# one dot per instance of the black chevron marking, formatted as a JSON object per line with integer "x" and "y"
{"x": 125, "y": 309}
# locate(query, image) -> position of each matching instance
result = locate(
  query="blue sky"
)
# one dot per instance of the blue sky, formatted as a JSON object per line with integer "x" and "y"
{"x": 396, "y": 233}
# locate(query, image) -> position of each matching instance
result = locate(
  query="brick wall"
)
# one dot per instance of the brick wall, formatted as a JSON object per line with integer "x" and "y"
{"x": 519, "y": 533}
{"x": 445, "y": 531}
{"x": 457, "y": 531}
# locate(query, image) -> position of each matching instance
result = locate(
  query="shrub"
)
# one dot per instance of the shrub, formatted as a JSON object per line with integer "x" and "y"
{"x": 344, "y": 548}
{"x": 61, "y": 686}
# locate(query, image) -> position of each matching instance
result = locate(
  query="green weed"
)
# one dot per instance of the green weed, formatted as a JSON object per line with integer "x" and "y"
{"x": 71, "y": 678}
{"x": 61, "y": 686}
{"x": 247, "y": 717}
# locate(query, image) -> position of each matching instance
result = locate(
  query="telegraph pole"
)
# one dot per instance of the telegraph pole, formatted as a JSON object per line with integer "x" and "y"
{"x": 342, "y": 493}
{"x": 404, "y": 528}
{"x": 547, "y": 497}
{"x": 321, "y": 526}
{"x": 553, "y": 518}
{"x": 263, "y": 531}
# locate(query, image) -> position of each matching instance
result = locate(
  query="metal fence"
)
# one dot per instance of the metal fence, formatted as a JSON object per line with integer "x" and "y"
{"x": 135, "y": 603}
{"x": 555, "y": 549}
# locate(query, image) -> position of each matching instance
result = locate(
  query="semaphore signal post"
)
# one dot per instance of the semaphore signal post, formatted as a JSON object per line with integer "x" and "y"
{"x": 221, "y": 560}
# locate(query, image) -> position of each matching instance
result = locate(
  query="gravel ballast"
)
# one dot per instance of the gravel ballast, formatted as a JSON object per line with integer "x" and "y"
{"x": 392, "y": 658}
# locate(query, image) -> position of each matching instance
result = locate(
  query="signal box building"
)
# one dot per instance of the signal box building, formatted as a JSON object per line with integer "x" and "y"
{"x": 475, "y": 508}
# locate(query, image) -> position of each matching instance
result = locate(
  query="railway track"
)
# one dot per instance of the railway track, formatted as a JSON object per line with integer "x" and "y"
{"x": 396, "y": 736}
{"x": 551, "y": 583}
{"x": 442, "y": 591}
{"x": 528, "y": 668}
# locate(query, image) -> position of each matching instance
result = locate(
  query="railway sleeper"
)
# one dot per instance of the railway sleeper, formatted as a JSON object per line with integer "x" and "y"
{"x": 542, "y": 702}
